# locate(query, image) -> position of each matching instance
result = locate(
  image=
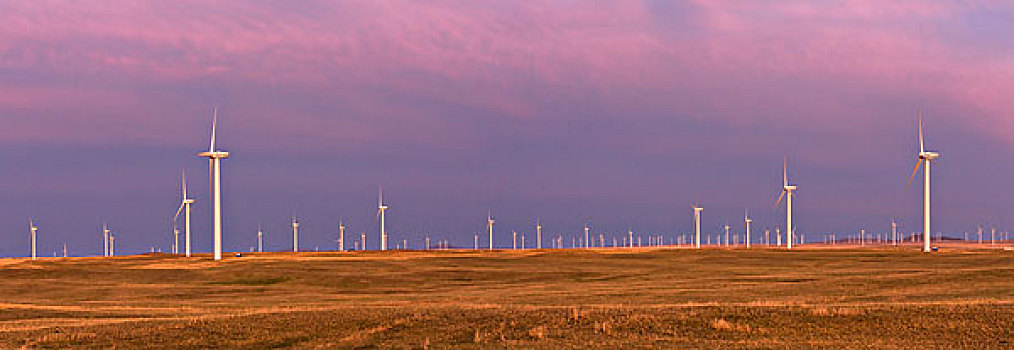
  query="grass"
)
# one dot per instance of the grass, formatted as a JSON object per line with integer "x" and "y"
{"x": 714, "y": 298}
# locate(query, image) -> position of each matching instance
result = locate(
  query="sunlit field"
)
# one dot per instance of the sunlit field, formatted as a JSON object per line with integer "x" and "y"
{"x": 884, "y": 297}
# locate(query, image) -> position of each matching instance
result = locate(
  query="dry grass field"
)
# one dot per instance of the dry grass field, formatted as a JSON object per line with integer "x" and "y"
{"x": 714, "y": 298}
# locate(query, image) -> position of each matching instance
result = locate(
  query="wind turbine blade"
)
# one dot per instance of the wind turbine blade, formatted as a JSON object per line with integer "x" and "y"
{"x": 779, "y": 201}
{"x": 785, "y": 172}
{"x": 184, "y": 185}
{"x": 178, "y": 211}
{"x": 914, "y": 171}
{"x": 921, "y": 145}
{"x": 214, "y": 125}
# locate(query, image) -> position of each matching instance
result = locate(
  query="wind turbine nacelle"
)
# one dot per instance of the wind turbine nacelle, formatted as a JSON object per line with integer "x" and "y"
{"x": 929, "y": 155}
{"x": 214, "y": 154}
{"x": 790, "y": 188}
{"x": 189, "y": 201}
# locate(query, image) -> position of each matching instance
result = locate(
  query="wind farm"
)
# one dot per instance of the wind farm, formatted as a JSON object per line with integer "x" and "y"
{"x": 592, "y": 135}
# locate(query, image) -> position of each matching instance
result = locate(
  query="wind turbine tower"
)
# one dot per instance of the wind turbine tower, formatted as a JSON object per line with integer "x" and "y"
{"x": 787, "y": 192}
{"x": 295, "y": 234}
{"x": 489, "y": 225}
{"x": 925, "y": 158}
{"x": 748, "y": 220}
{"x": 341, "y": 236}
{"x": 381, "y": 211}
{"x": 538, "y": 233}
{"x": 260, "y": 239}
{"x": 105, "y": 240}
{"x": 33, "y": 230}
{"x": 586, "y": 236}
{"x": 894, "y": 232}
{"x": 697, "y": 225}
{"x": 185, "y": 209}
{"x": 215, "y": 162}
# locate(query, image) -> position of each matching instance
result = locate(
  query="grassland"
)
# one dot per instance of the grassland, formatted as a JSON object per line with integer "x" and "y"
{"x": 714, "y": 298}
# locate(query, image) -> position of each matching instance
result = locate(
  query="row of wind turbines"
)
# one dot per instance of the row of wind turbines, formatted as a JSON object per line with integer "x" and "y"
{"x": 215, "y": 157}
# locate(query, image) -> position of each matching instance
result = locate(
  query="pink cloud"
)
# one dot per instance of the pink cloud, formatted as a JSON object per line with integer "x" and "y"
{"x": 495, "y": 56}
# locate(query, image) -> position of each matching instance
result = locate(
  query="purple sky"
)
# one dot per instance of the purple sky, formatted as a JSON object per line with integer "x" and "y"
{"x": 618, "y": 112}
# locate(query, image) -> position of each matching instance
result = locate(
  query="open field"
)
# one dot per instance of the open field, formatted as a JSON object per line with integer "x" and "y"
{"x": 605, "y": 298}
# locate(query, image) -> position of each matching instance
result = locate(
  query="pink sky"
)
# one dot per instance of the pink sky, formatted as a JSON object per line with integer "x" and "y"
{"x": 456, "y": 92}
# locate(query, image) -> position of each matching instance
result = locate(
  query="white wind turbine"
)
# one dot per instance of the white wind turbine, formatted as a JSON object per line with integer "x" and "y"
{"x": 586, "y": 240}
{"x": 381, "y": 210}
{"x": 215, "y": 162}
{"x": 260, "y": 239}
{"x": 295, "y": 234}
{"x": 787, "y": 192}
{"x": 341, "y": 236}
{"x": 697, "y": 224}
{"x": 489, "y": 225}
{"x": 748, "y": 220}
{"x": 925, "y": 158}
{"x": 33, "y": 230}
{"x": 538, "y": 233}
{"x": 185, "y": 209}
{"x": 105, "y": 240}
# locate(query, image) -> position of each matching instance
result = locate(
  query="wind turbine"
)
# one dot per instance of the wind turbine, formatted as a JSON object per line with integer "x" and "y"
{"x": 787, "y": 192}
{"x": 341, "y": 236}
{"x": 295, "y": 234}
{"x": 105, "y": 240}
{"x": 185, "y": 209}
{"x": 697, "y": 224}
{"x": 925, "y": 158}
{"x": 894, "y": 232}
{"x": 726, "y": 234}
{"x": 586, "y": 236}
{"x": 538, "y": 232}
{"x": 489, "y": 225}
{"x": 215, "y": 163}
{"x": 260, "y": 239}
{"x": 33, "y": 231}
{"x": 381, "y": 210}
{"x": 748, "y": 220}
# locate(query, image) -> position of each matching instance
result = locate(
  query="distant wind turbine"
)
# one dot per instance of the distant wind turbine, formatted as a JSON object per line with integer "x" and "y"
{"x": 787, "y": 192}
{"x": 586, "y": 240}
{"x": 295, "y": 234}
{"x": 489, "y": 225}
{"x": 925, "y": 158}
{"x": 538, "y": 233}
{"x": 260, "y": 239}
{"x": 748, "y": 220}
{"x": 214, "y": 158}
{"x": 33, "y": 230}
{"x": 341, "y": 236}
{"x": 105, "y": 240}
{"x": 381, "y": 211}
{"x": 726, "y": 234}
{"x": 697, "y": 224}
{"x": 185, "y": 209}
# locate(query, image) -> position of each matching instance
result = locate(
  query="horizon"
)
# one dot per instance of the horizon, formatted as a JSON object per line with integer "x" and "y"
{"x": 621, "y": 114}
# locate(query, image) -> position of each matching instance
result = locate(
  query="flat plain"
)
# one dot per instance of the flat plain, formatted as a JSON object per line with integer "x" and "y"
{"x": 811, "y": 297}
